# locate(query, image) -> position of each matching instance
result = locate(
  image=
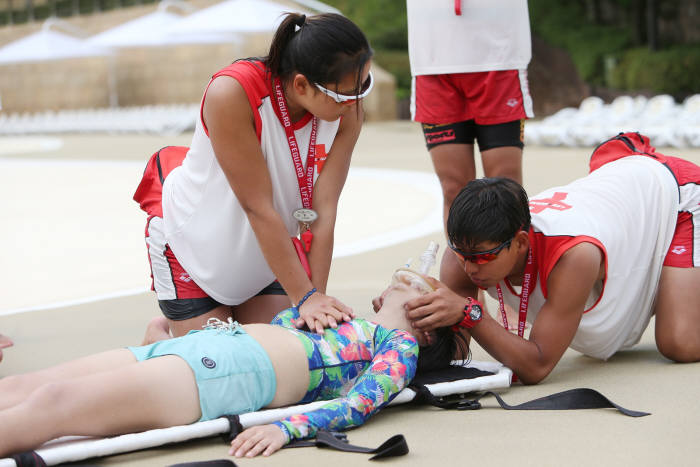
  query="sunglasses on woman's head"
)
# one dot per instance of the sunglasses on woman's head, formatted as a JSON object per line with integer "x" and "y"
{"x": 346, "y": 99}
{"x": 481, "y": 257}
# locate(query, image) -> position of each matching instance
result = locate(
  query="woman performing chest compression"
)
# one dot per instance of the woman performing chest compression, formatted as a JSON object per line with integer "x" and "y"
{"x": 269, "y": 157}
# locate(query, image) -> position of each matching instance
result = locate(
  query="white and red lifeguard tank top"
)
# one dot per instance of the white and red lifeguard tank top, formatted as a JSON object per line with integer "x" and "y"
{"x": 467, "y": 36}
{"x": 204, "y": 222}
{"x": 628, "y": 208}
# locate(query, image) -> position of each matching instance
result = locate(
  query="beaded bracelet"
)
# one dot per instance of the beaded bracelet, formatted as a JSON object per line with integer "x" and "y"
{"x": 304, "y": 298}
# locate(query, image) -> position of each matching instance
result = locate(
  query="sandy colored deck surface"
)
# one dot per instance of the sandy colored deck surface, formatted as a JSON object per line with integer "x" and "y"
{"x": 74, "y": 274}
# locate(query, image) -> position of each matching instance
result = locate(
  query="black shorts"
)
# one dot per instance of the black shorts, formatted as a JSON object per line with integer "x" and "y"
{"x": 186, "y": 308}
{"x": 488, "y": 136}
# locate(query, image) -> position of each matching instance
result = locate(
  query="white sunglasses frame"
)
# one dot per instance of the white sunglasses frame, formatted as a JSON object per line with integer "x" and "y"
{"x": 343, "y": 98}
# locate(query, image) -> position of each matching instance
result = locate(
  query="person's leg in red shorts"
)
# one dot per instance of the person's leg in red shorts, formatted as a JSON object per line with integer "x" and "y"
{"x": 458, "y": 109}
{"x": 185, "y": 306}
{"x": 677, "y": 307}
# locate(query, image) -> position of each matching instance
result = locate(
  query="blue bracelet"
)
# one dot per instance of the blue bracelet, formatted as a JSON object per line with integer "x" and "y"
{"x": 305, "y": 298}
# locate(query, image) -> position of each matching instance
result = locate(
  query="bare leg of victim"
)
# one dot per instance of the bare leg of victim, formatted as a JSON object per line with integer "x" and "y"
{"x": 15, "y": 389}
{"x": 156, "y": 393}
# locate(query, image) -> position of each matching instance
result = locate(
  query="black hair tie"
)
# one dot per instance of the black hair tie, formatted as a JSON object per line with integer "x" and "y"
{"x": 301, "y": 20}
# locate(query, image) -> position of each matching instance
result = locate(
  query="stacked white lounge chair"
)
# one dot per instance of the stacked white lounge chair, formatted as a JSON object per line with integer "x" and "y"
{"x": 666, "y": 122}
{"x": 152, "y": 119}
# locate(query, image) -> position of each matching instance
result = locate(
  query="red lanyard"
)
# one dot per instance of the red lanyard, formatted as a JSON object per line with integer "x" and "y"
{"x": 529, "y": 279}
{"x": 458, "y": 7}
{"x": 305, "y": 180}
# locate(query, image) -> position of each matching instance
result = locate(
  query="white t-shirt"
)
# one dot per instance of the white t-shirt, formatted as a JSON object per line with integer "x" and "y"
{"x": 204, "y": 223}
{"x": 629, "y": 209}
{"x": 489, "y": 35}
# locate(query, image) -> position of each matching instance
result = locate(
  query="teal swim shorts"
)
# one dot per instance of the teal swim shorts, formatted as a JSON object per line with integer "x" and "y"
{"x": 233, "y": 372}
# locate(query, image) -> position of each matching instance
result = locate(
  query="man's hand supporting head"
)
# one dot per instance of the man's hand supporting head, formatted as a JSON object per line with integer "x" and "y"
{"x": 436, "y": 309}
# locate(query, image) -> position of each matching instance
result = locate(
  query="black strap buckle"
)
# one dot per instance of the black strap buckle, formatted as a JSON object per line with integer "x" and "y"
{"x": 468, "y": 404}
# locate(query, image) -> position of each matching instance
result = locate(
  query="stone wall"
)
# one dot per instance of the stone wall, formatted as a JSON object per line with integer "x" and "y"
{"x": 55, "y": 85}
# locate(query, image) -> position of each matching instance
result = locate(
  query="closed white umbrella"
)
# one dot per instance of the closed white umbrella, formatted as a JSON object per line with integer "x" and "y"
{"x": 146, "y": 30}
{"x": 48, "y": 45}
{"x": 318, "y": 6}
{"x": 234, "y": 16}
{"x": 152, "y": 30}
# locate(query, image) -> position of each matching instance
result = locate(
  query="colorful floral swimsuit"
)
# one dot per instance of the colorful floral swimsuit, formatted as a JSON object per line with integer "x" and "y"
{"x": 360, "y": 364}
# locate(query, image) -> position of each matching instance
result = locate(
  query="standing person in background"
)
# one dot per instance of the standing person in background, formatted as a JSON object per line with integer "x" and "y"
{"x": 269, "y": 157}
{"x": 468, "y": 61}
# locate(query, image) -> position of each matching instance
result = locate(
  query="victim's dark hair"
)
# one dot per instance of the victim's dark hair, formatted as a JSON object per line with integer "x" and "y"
{"x": 448, "y": 346}
{"x": 324, "y": 48}
{"x": 488, "y": 210}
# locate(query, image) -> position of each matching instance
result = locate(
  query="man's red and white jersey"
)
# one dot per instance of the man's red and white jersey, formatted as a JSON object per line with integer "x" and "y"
{"x": 628, "y": 208}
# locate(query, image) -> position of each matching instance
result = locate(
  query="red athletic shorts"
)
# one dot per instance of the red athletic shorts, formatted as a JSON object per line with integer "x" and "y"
{"x": 684, "y": 251}
{"x": 488, "y": 97}
{"x": 179, "y": 296}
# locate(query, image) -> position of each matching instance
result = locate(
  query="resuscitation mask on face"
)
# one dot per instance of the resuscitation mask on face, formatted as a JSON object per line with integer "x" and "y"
{"x": 413, "y": 278}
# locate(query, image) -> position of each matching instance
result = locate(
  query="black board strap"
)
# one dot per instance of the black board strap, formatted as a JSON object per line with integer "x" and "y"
{"x": 448, "y": 374}
{"x": 235, "y": 427}
{"x": 573, "y": 399}
{"x": 393, "y": 447}
{"x": 28, "y": 459}
{"x": 210, "y": 463}
{"x": 305, "y": 443}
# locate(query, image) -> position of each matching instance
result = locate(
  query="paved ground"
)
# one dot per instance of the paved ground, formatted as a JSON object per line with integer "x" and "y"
{"x": 74, "y": 274}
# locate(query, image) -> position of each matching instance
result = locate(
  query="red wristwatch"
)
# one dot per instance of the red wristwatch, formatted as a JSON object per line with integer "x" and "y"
{"x": 473, "y": 312}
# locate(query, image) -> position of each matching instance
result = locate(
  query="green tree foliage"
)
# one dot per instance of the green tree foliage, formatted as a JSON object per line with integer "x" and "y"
{"x": 674, "y": 71}
{"x": 384, "y": 24}
{"x": 647, "y": 45}
{"x": 383, "y": 21}
{"x": 567, "y": 25}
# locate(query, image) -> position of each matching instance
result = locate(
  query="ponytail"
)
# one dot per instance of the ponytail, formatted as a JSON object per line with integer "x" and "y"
{"x": 324, "y": 48}
{"x": 283, "y": 35}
